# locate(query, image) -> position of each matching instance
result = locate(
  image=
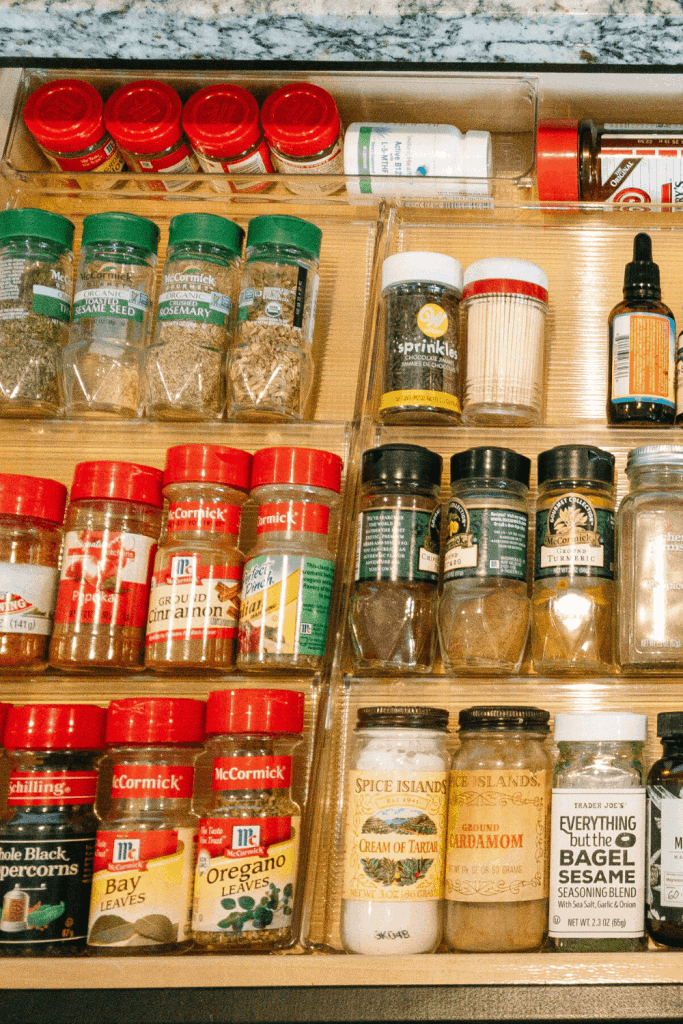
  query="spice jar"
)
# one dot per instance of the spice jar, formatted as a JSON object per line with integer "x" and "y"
{"x": 396, "y": 802}
{"x": 49, "y": 838}
{"x": 185, "y": 365}
{"x": 141, "y": 899}
{"x": 36, "y": 264}
{"x": 66, "y": 119}
{"x": 574, "y": 591}
{"x": 664, "y": 919}
{"x": 597, "y": 843}
{"x": 288, "y": 573}
{"x": 31, "y": 517}
{"x": 246, "y": 879}
{"x": 423, "y": 361}
{"x": 506, "y": 303}
{"x": 302, "y": 126}
{"x": 197, "y": 578}
{"x": 112, "y": 317}
{"x": 392, "y": 610}
{"x": 270, "y": 368}
{"x": 485, "y": 609}
{"x": 498, "y": 832}
{"x": 112, "y": 526}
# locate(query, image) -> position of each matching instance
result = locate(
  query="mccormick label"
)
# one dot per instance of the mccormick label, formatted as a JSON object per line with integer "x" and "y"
{"x": 485, "y": 542}
{"x": 192, "y": 295}
{"x": 265, "y": 772}
{"x": 257, "y": 163}
{"x": 180, "y": 161}
{"x": 204, "y": 516}
{"x": 144, "y": 781}
{"x": 643, "y": 359}
{"x": 332, "y": 163}
{"x": 114, "y": 303}
{"x": 51, "y": 789}
{"x": 280, "y": 306}
{"x": 104, "y": 159}
{"x": 293, "y": 516}
{"x": 52, "y": 299}
{"x": 641, "y": 168}
{"x": 191, "y": 601}
{"x": 574, "y": 538}
{"x": 398, "y": 544}
{"x": 27, "y": 598}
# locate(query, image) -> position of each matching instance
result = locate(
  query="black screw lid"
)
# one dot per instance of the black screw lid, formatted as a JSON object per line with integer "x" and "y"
{"x": 576, "y": 462}
{"x": 501, "y": 719}
{"x": 641, "y": 276}
{"x": 402, "y": 464}
{"x": 435, "y": 719}
{"x": 491, "y": 463}
{"x": 670, "y": 723}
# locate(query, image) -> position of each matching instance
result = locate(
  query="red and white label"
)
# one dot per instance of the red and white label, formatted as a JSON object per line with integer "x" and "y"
{"x": 137, "y": 781}
{"x": 242, "y": 837}
{"x": 204, "y": 516}
{"x": 181, "y": 161}
{"x": 105, "y": 158}
{"x": 130, "y": 851}
{"x": 269, "y": 772}
{"x": 258, "y": 162}
{"x": 189, "y": 601}
{"x": 51, "y": 789}
{"x": 293, "y": 516}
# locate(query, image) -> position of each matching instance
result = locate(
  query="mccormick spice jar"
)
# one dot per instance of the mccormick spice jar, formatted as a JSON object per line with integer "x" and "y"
{"x": 141, "y": 898}
{"x": 31, "y": 517}
{"x": 112, "y": 526}
{"x": 197, "y": 579}
{"x": 302, "y": 126}
{"x": 248, "y": 851}
{"x": 49, "y": 838}
{"x": 289, "y": 572}
{"x": 664, "y": 895}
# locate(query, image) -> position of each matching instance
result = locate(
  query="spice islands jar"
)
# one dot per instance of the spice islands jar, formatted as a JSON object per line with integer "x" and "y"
{"x": 302, "y": 126}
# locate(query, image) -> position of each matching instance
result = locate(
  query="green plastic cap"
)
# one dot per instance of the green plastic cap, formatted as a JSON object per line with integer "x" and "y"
{"x": 280, "y": 229}
{"x": 206, "y": 227}
{"x": 121, "y": 227}
{"x": 48, "y": 227}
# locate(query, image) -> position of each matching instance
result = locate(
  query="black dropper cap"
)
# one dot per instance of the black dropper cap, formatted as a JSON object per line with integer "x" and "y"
{"x": 641, "y": 276}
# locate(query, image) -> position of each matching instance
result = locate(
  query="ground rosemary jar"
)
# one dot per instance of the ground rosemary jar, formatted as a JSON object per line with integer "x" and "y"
{"x": 197, "y": 578}
{"x": 185, "y": 365}
{"x": 664, "y": 876}
{"x": 245, "y": 882}
{"x": 36, "y": 266}
{"x": 392, "y": 611}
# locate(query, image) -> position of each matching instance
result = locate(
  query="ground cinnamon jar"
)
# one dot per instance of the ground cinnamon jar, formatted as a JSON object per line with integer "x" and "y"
{"x": 112, "y": 526}
{"x": 194, "y": 600}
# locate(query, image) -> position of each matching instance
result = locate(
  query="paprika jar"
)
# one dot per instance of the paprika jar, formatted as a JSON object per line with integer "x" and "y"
{"x": 197, "y": 578}
{"x": 304, "y": 132}
{"x": 112, "y": 526}
{"x": 146, "y": 843}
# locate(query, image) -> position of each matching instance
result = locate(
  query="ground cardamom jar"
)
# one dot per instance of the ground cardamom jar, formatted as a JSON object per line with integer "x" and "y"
{"x": 664, "y": 876}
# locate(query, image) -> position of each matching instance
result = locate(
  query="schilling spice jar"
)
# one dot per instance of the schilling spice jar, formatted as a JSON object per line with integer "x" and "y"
{"x": 498, "y": 832}
{"x": 197, "y": 578}
{"x": 302, "y": 126}
{"x": 248, "y": 851}
{"x": 395, "y": 832}
{"x": 664, "y": 920}
{"x": 47, "y": 844}
{"x": 288, "y": 574}
{"x": 112, "y": 526}
{"x": 31, "y": 517}
{"x": 141, "y": 899}
{"x": 506, "y": 303}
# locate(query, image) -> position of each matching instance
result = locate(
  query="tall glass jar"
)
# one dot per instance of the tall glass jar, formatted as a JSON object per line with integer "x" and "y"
{"x": 484, "y": 610}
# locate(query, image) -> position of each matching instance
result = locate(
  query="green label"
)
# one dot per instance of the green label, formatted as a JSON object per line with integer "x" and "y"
{"x": 398, "y": 544}
{"x": 573, "y": 538}
{"x": 117, "y": 303}
{"x": 205, "y": 307}
{"x": 52, "y": 302}
{"x": 485, "y": 542}
{"x": 364, "y": 136}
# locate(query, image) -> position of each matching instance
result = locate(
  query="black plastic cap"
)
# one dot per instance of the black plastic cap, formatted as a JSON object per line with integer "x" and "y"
{"x": 576, "y": 462}
{"x": 491, "y": 464}
{"x": 396, "y": 464}
{"x": 435, "y": 719}
{"x": 641, "y": 276}
{"x": 502, "y": 719}
{"x": 670, "y": 723}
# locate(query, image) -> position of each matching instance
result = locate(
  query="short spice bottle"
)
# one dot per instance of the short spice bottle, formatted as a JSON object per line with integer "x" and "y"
{"x": 185, "y": 364}
{"x": 392, "y": 609}
{"x": 197, "y": 579}
{"x": 574, "y": 590}
{"x": 302, "y": 126}
{"x": 484, "y": 610}
{"x": 31, "y": 517}
{"x": 36, "y": 266}
{"x": 397, "y": 798}
{"x": 500, "y": 781}
{"x": 141, "y": 900}
{"x": 270, "y": 367}
{"x": 597, "y": 841}
{"x": 245, "y": 894}
{"x": 112, "y": 526}
{"x": 664, "y": 894}
{"x": 49, "y": 837}
{"x": 423, "y": 359}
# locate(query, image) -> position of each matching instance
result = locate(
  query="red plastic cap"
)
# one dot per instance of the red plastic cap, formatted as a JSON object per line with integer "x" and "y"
{"x": 208, "y": 463}
{"x": 297, "y": 466}
{"x": 4, "y": 708}
{"x": 264, "y": 711}
{"x": 300, "y": 119}
{"x": 55, "y": 727}
{"x": 144, "y": 117}
{"x": 557, "y": 159}
{"x": 65, "y": 116}
{"x": 222, "y": 120}
{"x": 119, "y": 481}
{"x": 156, "y": 720}
{"x": 32, "y": 496}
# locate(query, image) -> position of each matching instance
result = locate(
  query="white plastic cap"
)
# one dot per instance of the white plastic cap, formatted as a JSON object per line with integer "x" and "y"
{"x": 508, "y": 268}
{"x": 601, "y": 725}
{"x": 476, "y": 155}
{"x": 435, "y": 267}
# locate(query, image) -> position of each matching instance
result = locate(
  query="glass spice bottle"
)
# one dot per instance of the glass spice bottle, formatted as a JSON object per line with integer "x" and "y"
{"x": 248, "y": 852}
{"x": 112, "y": 317}
{"x": 141, "y": 900}
{"x": 185, "y": 364}
{"x": 31, "y": 517}
{"x": 270, "y": 367}
{"x": 664, "y": 875}
{"x": 289, "y": 572}
{"x": 49, "y": 837}
{"x": 597, "y": 840}
{"x": 500, "y": 781}
{"x": 574, "y": 591}
{"x": 36, "y": 266}
{"x": 112, "y": 526}
{"x": 392, "y": 609}
{"x": 302, "y": 126}
{"x": 197, "y": 578}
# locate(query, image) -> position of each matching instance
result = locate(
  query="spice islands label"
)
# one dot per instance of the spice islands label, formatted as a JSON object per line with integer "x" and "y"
{"x": 395, "y": 836}
{"x": 574, "y": 538}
